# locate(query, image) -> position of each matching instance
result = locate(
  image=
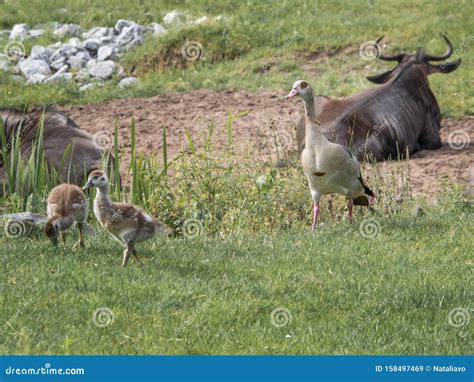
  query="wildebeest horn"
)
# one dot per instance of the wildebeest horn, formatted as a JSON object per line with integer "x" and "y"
{"x": 449, "y": 52}
{"x": 395, "y": 57}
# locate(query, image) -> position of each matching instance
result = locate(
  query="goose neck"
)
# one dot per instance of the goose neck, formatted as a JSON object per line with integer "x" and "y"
{"x": 103, "y": 194}
{"x": 310, "y": 110}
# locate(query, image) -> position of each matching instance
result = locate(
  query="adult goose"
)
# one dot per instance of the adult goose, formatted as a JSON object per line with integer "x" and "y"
{"x": 67, "y": 205}
{"x": 329, "y": 167}
{"x": 128, "y": 224}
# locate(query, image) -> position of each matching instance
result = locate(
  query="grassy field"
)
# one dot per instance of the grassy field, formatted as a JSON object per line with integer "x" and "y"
{"x": 336, "y": 293}
{"x": 261, "y": 45}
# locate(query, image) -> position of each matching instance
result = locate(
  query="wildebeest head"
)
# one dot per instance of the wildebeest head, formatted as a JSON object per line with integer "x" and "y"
{"x": 419, "y": 60}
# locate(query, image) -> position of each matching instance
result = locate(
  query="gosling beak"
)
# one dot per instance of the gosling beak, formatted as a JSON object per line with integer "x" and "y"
{"x": 88, "y": 185}
{"x": 292, "y": 94}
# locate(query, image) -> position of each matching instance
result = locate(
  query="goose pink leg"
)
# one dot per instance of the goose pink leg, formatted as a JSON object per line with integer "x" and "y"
{"x": 349, "y": 210}
{"x": 371, "y": 200}
{"x": 315, "y": 215}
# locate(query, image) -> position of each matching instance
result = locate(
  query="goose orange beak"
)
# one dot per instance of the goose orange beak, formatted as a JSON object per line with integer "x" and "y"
{"x": 292, "y": 94}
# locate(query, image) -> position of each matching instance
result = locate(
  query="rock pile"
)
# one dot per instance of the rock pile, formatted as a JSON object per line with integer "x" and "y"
{"x": 89, "y": 57}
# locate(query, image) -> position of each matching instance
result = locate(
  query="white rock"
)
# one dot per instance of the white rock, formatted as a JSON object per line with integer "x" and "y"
{"x": 107, "y": 40}
{"x": 92, "y": 44}
{"x": 19, "y": 32}
{"x": 34, "y": 33}
{"x": 68, "y": 30}
{"x": 36, "y": 78}
{"x": 174, "y": 17}
{"x": 134, "y": 43}
{"x": 201, "y": 20}
{"x": 79, "y": 60}
{"x": 91, "y": 85}
{"x": 129, "y": 34}
{"x": 74, "y": 42}
{"x": 157, "y": 29}
{"x": 85, "y": 87}
{"x": 106, "y": 52}
{"x": 56, "y": 62}
{"x": 101, "y": 69}
{"x": 98, "y": 33}
{"x": 122, "y": 24}
{"x": 39, "y": 52}
{"x": 125, "y": 36}
{"x": 60, "y": 77}
{"x": 67, "y": 50}
{"x": 29, "y": 67}
{"x": 128, "y": 81}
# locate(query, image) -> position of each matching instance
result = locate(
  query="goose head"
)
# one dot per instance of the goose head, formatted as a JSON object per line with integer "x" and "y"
{"x": 301, "y": 88}
{"x": 52, "y": 230}
{"x": 96, "y": 179}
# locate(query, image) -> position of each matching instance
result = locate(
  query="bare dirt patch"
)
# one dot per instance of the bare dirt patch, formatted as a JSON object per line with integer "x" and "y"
{"x": 429, "y": 170}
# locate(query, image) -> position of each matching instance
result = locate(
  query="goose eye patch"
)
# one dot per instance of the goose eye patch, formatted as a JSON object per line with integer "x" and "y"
{"x": 303, "y": 85}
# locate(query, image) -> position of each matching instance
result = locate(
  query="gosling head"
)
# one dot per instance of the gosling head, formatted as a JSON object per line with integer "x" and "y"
{"x": 52, "y": 230}
{"x": 97, "y": 179}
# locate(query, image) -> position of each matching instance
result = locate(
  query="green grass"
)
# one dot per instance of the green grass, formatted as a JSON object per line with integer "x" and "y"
{"x": 237, "y": 49}
{"x": 209, "y": 295}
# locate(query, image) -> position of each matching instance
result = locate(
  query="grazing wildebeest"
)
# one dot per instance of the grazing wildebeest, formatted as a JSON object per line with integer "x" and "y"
{"x": 383, "y": 122}
{"x": 59, "y": 131}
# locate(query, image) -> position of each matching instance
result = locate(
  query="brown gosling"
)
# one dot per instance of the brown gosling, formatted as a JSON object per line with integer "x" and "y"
{"x": 128, "y": 224}
{"x": 66, "y": 205}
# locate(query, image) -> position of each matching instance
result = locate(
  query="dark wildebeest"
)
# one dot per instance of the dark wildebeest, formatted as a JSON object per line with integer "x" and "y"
{"x": 59, "y": 131}
{"x": 383, "y": 122}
